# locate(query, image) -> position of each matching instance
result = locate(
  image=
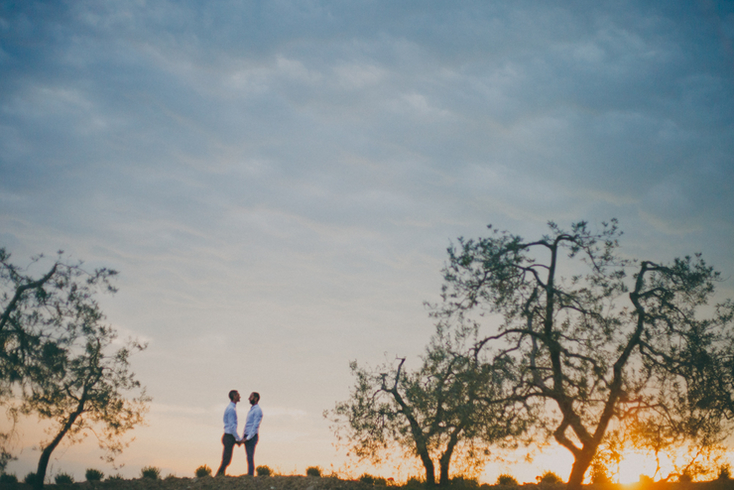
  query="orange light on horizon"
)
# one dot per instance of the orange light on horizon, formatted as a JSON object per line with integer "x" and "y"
{"x": 635, "y": 464}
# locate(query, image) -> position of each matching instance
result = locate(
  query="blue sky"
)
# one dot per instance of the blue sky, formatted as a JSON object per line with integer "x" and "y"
{"x": 277, "y": 182}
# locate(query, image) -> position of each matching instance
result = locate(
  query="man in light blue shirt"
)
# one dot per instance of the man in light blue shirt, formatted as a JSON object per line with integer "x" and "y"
{"x": 252, "y": 428}
{"x": 230, "y": 437}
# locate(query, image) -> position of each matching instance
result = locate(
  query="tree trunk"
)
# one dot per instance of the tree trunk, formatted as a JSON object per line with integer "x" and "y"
{"x": 430, "y": 469}
{"x": 580, "y": 465}
{"x": 46, "y": 453}
{"x": 43, "y": 462}
{"x": 445, "y": 460}
{"x": 444, "y": 469}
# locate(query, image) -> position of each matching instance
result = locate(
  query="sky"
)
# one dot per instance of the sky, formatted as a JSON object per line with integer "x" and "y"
{"x": 277, "y": 182}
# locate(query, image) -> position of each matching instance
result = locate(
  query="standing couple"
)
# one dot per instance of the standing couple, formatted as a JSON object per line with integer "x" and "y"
{"x": 249, "y": 437}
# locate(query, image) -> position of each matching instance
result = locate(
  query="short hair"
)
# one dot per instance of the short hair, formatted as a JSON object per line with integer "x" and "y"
{"x": 257, "y": 395}
{"x": 232, "y": 394}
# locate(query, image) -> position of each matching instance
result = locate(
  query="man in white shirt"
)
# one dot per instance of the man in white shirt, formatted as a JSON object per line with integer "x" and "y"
{"x": 252, "y": 427}
{"x": 230, "y": 437}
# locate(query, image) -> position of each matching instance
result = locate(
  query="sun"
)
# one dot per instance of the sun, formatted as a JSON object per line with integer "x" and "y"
{"x": 633, "y": 465}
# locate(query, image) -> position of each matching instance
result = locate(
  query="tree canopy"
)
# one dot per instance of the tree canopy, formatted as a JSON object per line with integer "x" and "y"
{"x": 44, "y": 313}
{"x": 604, "y": 338}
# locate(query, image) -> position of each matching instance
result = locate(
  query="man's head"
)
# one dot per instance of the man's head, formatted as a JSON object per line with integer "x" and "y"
{"x": 234, "y": 396}
{"x": 254, "y": 398}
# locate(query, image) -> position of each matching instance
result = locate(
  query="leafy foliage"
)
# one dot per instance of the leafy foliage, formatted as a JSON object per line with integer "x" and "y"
{"x": 607, "y": 340}
{"x": 313, "y": 471}
{"x": 203, "y": 471}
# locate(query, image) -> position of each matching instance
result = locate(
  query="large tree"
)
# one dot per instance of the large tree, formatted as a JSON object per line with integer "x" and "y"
{"x": 450, "y": 404}
{"x": 55, "y": 359}
{"x": 604, "y": 339}
{"x": 42, "y": 310}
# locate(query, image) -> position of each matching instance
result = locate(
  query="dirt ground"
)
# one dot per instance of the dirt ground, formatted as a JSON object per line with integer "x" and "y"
{"x": 315, "y": 483}
{"x": 220, "y": 483}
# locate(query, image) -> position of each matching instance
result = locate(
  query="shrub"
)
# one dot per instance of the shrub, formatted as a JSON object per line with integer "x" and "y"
{"x": 203, "y": 471}
{"x": 313, "y": 471}
{"x": 263, "y": 471}
{"x": 151, "y": 472}
{"x": 93, "y": 475}
{"x": 372, "y": 480}
{"x": 724, "y": 472}
{"x": 549, "y": 477}
{"x": 117, "y": 477}
{"x": 8, "y": 479}
{"x": 414, "y": 482}
{"x": 30, "y": 478}
{"x": 507, "y": 480}
{"x": 461, "y": 481}
{"x": 64, "y": 479}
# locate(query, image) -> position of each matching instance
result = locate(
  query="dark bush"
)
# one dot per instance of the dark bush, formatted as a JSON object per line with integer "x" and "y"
{"x": 151, "y": 473}
{"x": 507, "y": 480}
{"x": 64, "y": 479}
{"x": 8, "y": 479}
{"x": 30, "y": 478}
{"x": 372, "y": 480}
{"x": 460, "y": 482}
{"x": 203, "y": 471}
{"x": 263, "y": 471}
{"x": 549, "y": 478}
{"x": 313, "y": 471}
{"x": 93, "y": 475}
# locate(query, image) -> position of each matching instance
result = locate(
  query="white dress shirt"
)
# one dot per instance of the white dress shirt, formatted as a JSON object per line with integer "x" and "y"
{"x": 252, "y": 424}
{"x": 230, "y": 420}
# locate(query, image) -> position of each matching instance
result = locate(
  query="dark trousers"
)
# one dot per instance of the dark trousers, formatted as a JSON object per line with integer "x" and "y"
{"x": 228, "y": 441}
{"x": 250, "y": 450}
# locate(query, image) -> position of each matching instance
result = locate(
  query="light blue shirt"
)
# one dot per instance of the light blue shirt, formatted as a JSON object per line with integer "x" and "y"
{"x": 230, "y": 420}
{"x": 252, "y": 424}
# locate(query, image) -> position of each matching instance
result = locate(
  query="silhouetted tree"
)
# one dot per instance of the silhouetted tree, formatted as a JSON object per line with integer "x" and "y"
{"x": 450, "y": 403}
{"x": 56, "y": 360}
{"x": 40, "y": 315}
{"x": 88, "y": 392}
{"x": 600, "y": 344}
